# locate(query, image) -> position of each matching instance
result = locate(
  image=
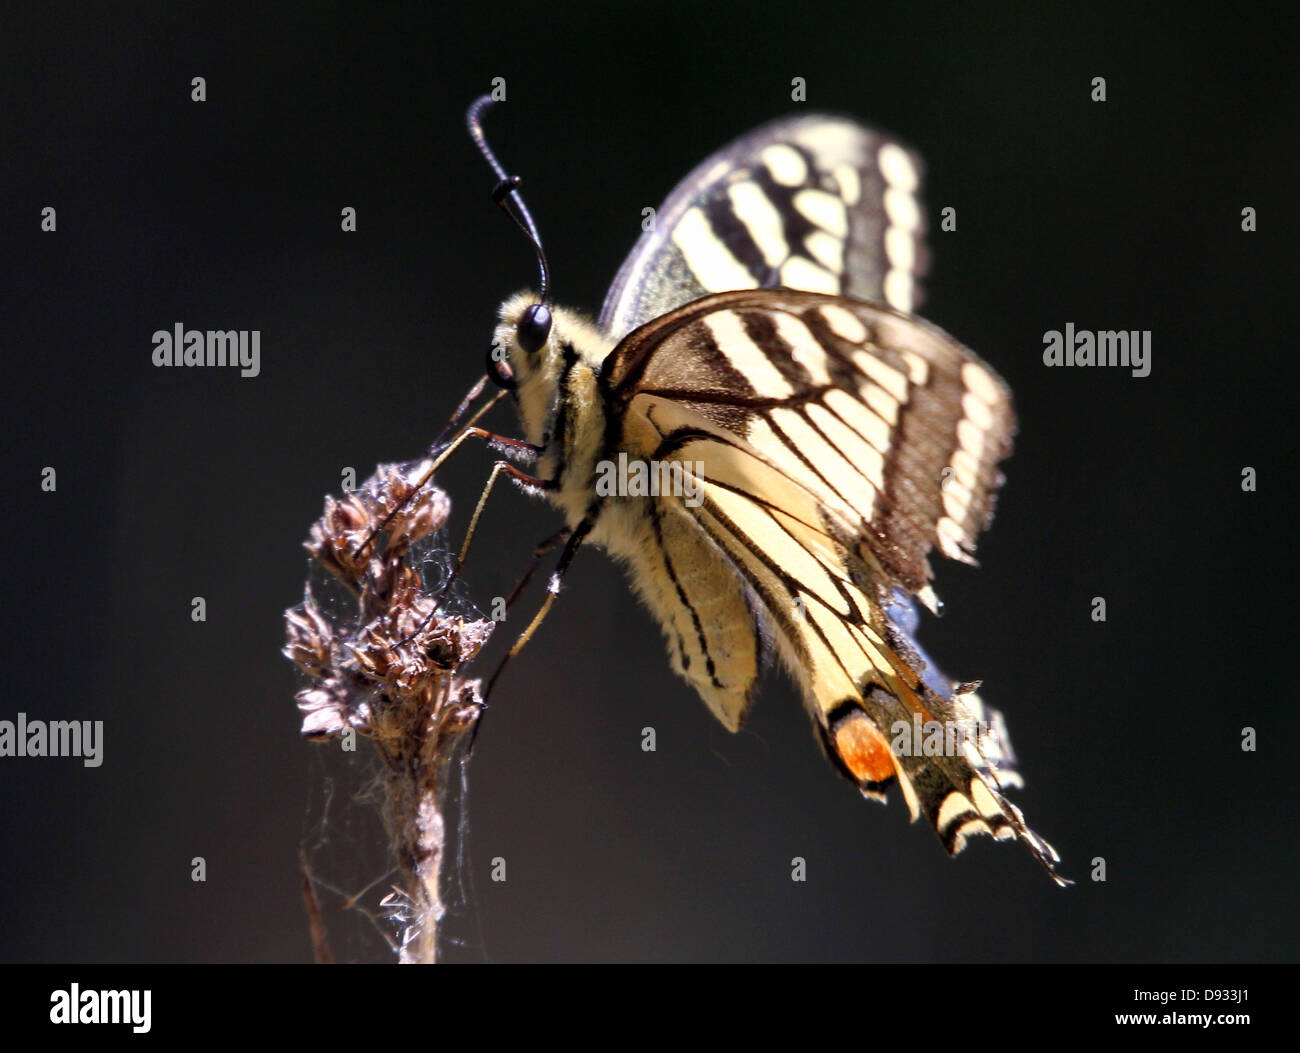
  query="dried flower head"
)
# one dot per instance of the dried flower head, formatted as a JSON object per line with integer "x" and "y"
{"x": 389, "y": 673}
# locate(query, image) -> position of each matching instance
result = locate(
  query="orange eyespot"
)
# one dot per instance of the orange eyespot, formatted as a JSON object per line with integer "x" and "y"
{"x": 863, "y": 749}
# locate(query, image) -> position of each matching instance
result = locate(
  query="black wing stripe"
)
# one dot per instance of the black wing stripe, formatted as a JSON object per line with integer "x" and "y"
{"x": 735, "y": 234}
{"x": 845, "y": 455}
{"x": 729, "y": 539}
{"x": 761, "y": 329}
{"x": 674, "y": 442}
{"x": 813, "y": 468}
{"x": 709, "y": 663}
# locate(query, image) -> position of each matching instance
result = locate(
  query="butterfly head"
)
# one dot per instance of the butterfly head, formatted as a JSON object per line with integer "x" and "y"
{"x": 520, "y": 342}
{"x": 542, "y": 356}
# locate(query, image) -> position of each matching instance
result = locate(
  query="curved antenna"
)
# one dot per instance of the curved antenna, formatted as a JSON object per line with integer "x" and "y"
{"x": 507, "y": 190}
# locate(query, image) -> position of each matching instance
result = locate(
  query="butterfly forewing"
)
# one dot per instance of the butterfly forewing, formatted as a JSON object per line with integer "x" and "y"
{"x": 890, "y": 425}
{"x": 817, "y": 203}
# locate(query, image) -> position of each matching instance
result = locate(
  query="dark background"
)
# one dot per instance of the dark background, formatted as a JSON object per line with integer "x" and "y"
{"x": 177, "y": 483}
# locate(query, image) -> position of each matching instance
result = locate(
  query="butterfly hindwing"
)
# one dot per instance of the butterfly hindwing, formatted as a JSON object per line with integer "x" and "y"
{"x": 709, "y": 620}
{"x": 817, "y": 203}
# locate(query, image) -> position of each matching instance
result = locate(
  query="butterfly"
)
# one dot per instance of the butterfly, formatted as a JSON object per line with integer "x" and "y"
{"x": 814, "y": 441}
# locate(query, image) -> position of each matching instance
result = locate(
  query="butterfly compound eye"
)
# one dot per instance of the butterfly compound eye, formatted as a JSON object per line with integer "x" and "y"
{"x": 534, "y": 328}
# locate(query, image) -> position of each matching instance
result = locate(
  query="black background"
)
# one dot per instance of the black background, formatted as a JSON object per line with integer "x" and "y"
{"x": 177, "y": 483}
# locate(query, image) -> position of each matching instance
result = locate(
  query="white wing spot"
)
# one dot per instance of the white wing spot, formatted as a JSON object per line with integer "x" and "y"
{"x": 786, "y": 164}
{"x": 849, "y": 182}
{"x": 983, "y": 798}
{"x": 978, "y": 412}
{"x": 716, "y": 171}
{"x": 898, "y": 290}
{"x": 875, "y": 428}
{"x": 953, "y": 806}
{"x": 709, "y": 259}
{"x": 950, "y": 536}
{"x": 804, "y": 348}
{"x": 904, "y": 222}
{"x": 954, "y": 505}
{"x": 900, "y": 207}
{"x": 886, "y": 376}
{"x": 755, "y": 210}
{"x": 965, "y": 468}
{"x": 979, "y": 383}
{"x": 898, "y": 168}
{"x": 803, "y": 274}
{"x": 834, "y": 138}
{"x": 971, "y": 439}
{"x": 909, "y": 792}
{"x": 917, "y": 367}
{"x": 900, "y": 247}
{"x": 844, "y": 323}
{"x": 961, "y": 496}
{"x": 931, "y": 599}
{"x": 967, "y": 829}
{"x": 826, "y": 249}
{"x": 745, "y": 356}
{"x": 882, "y": 405}
{"x": 823, "y": 209}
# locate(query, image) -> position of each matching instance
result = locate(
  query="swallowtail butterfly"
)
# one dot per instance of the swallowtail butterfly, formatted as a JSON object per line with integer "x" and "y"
{"x": 759, "y": 341}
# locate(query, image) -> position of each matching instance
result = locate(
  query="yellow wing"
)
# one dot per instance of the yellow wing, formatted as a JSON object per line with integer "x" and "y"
{"x": 833, "y": 444}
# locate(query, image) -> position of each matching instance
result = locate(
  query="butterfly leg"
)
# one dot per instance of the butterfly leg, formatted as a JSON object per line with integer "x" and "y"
{"x": 469, "y": 432}
{"x": 526, "y": 480}
{"x": 571, "y": 547}
{"x": 543, "y": 547}
{"x": 470, "y": 396}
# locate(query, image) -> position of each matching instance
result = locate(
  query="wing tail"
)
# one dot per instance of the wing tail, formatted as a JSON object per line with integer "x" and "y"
{"x": 953, "y": 771}
{"x": 879, "y": 714}
{"x": 789, "y": 499}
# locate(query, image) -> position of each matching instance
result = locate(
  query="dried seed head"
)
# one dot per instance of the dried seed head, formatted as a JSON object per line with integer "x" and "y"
{"x": 390, "y": 667}
{"x": 308, "y": 638}
{"x": 338, "y": 539}
{"x": 387, "y": 666}
{"x": 331, "y": 706}
{"x": 416, "y": 511}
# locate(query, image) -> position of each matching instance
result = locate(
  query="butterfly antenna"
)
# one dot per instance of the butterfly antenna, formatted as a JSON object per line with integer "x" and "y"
{"x": 506, "y": 193}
